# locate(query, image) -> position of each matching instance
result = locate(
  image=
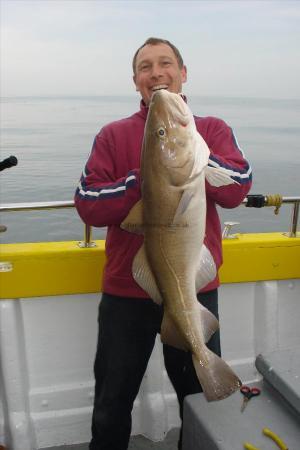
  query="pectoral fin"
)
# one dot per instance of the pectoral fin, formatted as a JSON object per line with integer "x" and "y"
{"x": 183, "y": 205}
{"x": 144, "y": 277}
{"x": 218, "y": 176}
{"x": 134, "y": 221}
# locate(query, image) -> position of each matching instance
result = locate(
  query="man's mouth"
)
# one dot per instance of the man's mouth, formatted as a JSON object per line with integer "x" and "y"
{"x": 158, "y": 87}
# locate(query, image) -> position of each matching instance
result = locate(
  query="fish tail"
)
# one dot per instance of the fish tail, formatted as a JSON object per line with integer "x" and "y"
{"x": 217, "y": 379}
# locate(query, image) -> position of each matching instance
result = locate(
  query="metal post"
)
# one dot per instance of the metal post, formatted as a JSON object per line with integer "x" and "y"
{"x": 294, "y": 220}
{"x": 87, "y": 242}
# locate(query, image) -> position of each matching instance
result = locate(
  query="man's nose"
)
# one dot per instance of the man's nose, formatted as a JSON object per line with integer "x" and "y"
{"x": 156, "y": 71}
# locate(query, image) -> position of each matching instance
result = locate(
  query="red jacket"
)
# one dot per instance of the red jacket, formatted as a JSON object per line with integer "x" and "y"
{"x": 110, "y": 186}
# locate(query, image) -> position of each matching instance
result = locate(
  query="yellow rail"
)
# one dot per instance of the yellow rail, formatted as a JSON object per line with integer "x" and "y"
{"x": 59, "y": 268}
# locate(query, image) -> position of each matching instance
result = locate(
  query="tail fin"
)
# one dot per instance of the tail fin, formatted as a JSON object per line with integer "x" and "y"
{"x": 217, "y": 379}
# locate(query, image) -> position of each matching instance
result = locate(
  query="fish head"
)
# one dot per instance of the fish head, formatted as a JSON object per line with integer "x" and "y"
{"x": 171, "y": 140}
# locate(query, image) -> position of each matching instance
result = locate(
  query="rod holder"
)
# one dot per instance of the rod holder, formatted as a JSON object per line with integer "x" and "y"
{"x": 87, "y": 242}
{"x": 226, "y": 232}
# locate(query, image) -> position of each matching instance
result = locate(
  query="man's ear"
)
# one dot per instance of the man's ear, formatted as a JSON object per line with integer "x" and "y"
{"x": 184, "y": 74}
{"x": 134, "y": 80}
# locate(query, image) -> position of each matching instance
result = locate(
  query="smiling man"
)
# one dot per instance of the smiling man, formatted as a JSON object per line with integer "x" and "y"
{"x": 158, "y": 66}
{"x": 109, "y": 187}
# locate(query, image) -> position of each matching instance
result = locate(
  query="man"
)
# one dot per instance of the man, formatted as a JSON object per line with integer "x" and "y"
{"x": 109, "y": 187}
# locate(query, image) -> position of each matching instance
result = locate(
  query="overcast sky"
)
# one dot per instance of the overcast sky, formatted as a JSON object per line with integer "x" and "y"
{"x": 85, "y": 47}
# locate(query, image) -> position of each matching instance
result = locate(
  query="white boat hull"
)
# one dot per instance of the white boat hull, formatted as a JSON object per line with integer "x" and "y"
{"x": 48, "y": 346}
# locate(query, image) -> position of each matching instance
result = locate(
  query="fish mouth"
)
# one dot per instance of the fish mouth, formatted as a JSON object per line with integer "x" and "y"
{"x": 171, "y": 105}
{"x": 179, "y": 110}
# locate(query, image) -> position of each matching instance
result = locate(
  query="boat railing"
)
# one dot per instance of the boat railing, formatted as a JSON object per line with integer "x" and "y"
{"x": 251, "y": 201}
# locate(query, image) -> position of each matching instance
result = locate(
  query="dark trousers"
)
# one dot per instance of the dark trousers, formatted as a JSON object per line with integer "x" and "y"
{"x": 127, "y": 332}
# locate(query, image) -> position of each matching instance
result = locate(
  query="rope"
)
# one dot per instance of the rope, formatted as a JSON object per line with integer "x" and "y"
{"x": 274, "y": 200}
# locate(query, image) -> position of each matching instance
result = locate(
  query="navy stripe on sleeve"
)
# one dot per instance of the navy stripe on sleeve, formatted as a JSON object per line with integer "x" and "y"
{"x": 242, "y": 176}
{"x": 108, "y": 191}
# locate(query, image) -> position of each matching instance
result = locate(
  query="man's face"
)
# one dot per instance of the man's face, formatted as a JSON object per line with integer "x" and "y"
{"x": 157, "y": 66}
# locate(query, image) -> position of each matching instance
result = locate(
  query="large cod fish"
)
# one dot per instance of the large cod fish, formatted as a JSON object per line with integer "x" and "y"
{"x": 173, "y": 263}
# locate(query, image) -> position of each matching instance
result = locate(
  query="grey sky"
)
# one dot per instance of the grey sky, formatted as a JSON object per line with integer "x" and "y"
{"x": 68, "y": 47}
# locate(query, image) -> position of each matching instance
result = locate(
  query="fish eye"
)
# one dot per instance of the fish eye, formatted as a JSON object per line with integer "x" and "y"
{"x": 161, "y": 132}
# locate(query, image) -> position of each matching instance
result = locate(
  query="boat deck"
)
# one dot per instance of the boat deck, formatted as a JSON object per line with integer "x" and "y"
{"x": 136, "y": 443}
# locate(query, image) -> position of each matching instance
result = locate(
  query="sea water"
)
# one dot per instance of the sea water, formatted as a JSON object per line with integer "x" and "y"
{"x": 52, "y": 138}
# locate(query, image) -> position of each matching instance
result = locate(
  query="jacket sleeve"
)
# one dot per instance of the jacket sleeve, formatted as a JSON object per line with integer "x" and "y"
{"x": 226, "y": 153}
{"x": 103, "y": 198}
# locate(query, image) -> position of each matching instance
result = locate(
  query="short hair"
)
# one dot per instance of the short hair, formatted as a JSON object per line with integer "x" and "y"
{"x": 156, "y": 41}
